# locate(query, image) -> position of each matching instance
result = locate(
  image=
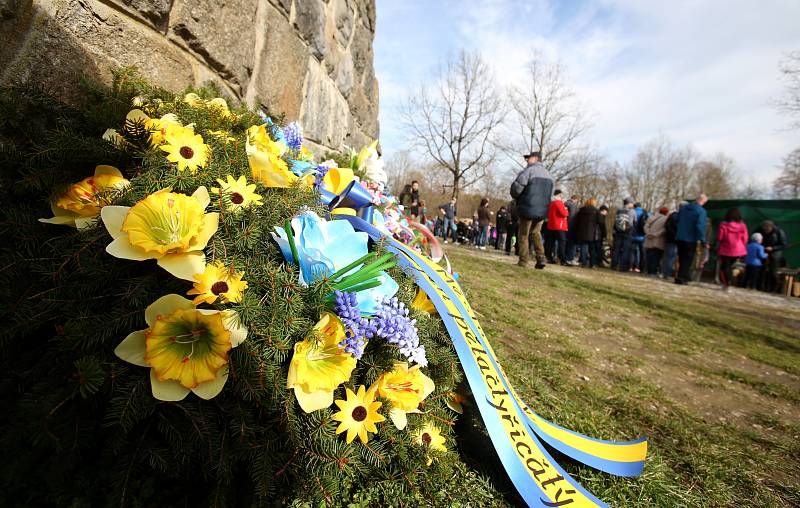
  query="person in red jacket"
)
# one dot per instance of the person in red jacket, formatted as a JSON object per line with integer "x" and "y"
{"x": 557, "y": 215}
{"x": 732, "y": 240}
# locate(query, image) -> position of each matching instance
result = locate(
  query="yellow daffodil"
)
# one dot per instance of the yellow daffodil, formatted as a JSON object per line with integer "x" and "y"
{"x": 264, "y": 156}
{"x": 319, "y": 365}
{"x": 185, "y": 148}
{"x": 218, "y": 281}
{"x": 225, "y": 136}
{"x": 80, "y": 205}
{"x": 113, "y": 137}
{"x": 358, "y": 414}
{"x": 218, "y": 103}
{"x": 193, "y": 100}
{"x": 162, "y": 127}
{"x": 239, "y": 193}
{"x": 186, "y": 348}
{"x": 336, "y": 180}
{"x": 405, "y": 388}
{"x": 431, "y": 437}
{"x": 423, "y": 303}
{"x": 168, "y": 227}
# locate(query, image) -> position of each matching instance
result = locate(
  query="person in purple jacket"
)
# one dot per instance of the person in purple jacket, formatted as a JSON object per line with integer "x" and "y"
{"x": 756, "y": 255}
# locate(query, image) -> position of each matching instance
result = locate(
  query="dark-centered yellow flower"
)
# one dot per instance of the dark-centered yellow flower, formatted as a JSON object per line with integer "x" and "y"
{"x": 218, "y": 282}
{"x": 185, "y": 148}
{"x": 358, "y": 414}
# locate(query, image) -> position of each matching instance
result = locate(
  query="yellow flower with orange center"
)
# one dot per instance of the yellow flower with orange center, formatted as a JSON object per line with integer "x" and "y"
{"x": 218, "y": 281}
{"x": 358, "y": 414}
{"x": 80, "y": 205}
{"x": 186, "y": 348}
{"x": 185, "y": 148}
{"x": 405, "y": 388}
{"x": 264, "y": 156}
{"x": 168, "y": 227}
{"x": 319, "y": 365}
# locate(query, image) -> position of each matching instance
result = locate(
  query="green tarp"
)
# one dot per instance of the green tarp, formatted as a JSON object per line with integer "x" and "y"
{"x": 784, "y": 212}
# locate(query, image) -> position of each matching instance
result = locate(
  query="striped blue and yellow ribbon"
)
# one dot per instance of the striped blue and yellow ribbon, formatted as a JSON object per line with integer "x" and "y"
{"x": 516, "y": 431}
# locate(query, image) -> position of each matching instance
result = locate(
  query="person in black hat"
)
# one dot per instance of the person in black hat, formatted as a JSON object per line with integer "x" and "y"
{"x": 531, "y": 191}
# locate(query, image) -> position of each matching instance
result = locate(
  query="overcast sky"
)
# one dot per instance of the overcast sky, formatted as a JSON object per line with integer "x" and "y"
{"x": 701, "y": 72}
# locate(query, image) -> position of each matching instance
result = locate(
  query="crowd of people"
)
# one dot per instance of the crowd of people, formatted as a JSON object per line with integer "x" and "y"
{"x": 671, "y": 244}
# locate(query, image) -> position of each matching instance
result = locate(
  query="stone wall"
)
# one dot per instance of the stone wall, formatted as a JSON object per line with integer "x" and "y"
{"x": 309, "y": 59}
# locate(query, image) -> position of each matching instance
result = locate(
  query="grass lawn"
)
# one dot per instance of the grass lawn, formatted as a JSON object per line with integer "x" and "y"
{"x": 712, "y": 379}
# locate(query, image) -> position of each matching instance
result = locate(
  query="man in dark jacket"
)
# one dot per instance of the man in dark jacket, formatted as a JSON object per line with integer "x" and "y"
{"x": 513, "y": 226}
{"x": 585, "y": 232}
{"x": 572, "y": 204}
{"x": 624, "y": 222}
{"x": 450, "y": 217}
{"x": 691, "y": 231}
{"x": 774, "y": 243}
{"x": 532, "y": 190}
{"x": 501, "y": 222}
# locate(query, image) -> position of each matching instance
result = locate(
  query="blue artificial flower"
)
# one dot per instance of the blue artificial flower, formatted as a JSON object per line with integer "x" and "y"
{"x": 393, "y": 324}
{"x": 293, "y": 134}
{"x": 322, "y": 247}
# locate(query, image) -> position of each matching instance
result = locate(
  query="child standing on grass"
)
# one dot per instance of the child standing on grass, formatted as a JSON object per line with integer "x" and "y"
{"x": 755, "y": 260}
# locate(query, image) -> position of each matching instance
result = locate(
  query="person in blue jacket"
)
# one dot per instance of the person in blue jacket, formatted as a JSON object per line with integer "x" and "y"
{"x": 637, "y": 240}
{"x": 691, "y": 232}
{"x": 756, "y": 255}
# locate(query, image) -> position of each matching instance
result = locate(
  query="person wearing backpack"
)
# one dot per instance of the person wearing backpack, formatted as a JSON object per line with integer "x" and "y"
{"x": 639, "y": 236}
{"x": 670, "y": 247}
{"x": 624, "y": 222}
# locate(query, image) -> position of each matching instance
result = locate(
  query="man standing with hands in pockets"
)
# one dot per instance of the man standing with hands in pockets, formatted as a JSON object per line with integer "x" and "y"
{"x": 531, "y": 191}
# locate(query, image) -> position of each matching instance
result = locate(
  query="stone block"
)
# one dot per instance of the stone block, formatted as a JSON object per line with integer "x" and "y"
{"x": 324, "y": 115}
{"x": 221, "y": 34}
{"x": 65, "y": 40}
{"x": 281, "y": 68}
{"x": 284, "y": 6}
{"x": 344, "y": 19}
{"x": 366, "y": 13}
{"x": 155, "y": 12}
{"x": 310, "y": 19}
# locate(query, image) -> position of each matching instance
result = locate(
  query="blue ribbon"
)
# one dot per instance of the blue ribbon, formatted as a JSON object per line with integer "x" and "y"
{"x": 354, "y": 196}
{"x": 515, "y": 469}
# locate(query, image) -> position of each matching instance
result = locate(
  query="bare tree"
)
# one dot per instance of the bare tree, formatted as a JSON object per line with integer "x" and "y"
{"x": 787, "y": 185}
{"x": 547, "y": 118}
{"x": 659, "y": 174}
{"x": 600, "y": 179}
{"x": 789, "y": 104}
{"x": 455, "y": 118}
{"x": 715, "y": 177}
{"x": 399, "y": 167}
